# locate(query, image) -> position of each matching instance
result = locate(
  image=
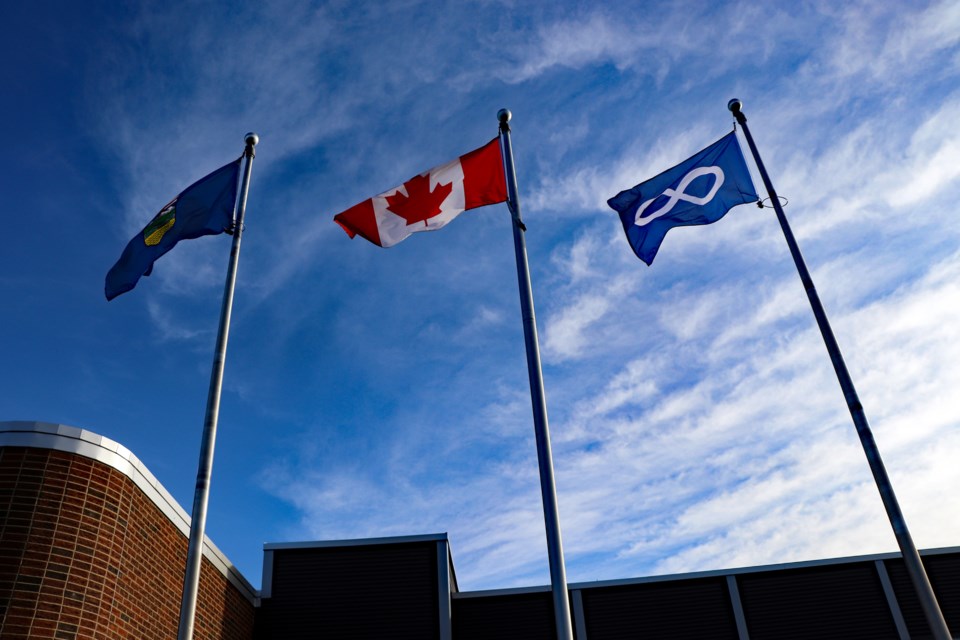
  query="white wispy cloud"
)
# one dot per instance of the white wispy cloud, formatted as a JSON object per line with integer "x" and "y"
{"x": 809, "y": 473}
{"x": 170, "y": 328}
{"x": 931, "y": 159}
{"x": 696, "y": 420}
{"x": 582, "y": 41}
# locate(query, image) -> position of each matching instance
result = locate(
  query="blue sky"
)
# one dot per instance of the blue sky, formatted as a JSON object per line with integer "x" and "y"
{"x": 696, "y": 420}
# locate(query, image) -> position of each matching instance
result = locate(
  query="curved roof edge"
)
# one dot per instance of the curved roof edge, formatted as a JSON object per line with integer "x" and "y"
{"x": 59, "y": 437}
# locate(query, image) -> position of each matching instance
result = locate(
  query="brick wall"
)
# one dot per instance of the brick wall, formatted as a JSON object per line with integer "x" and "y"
{"x": 85, "y": 554}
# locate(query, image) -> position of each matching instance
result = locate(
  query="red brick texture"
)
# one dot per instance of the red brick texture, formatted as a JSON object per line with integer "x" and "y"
{"x": 85, "y": 554}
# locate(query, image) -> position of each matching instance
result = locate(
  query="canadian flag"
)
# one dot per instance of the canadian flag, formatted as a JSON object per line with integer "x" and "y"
{"x": 430, "y": 200}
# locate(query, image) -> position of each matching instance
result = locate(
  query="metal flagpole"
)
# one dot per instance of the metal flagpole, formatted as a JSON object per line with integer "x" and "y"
{"x": 909, "y": 551}
{"x": 548, "y": 488}
{"x": 198, "y": 519}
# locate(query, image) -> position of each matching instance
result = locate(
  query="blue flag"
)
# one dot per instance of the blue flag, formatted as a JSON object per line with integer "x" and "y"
{"x": 699, "y": 190}
{"x": 202, "y": 209}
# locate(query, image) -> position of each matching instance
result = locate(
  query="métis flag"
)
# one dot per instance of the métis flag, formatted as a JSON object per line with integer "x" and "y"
{"x": 202, "y": 209}
{"x": 431, "y": 199}
{"x": 699, "y": 190}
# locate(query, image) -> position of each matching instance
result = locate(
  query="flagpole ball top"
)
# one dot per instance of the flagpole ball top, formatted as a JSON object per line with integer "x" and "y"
{"x": 735, "y": 105}
{"x": 251, "y": 139}
{"x": 504, "y": 115}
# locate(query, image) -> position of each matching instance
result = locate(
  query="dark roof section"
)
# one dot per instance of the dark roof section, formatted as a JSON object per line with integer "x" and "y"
{"x": 699, "y": 608}
{"x": 396, "y": 588}
{"x": 404, "y": 588}
{"x": 521, "y": 616}
{"x": 943, "y": 570}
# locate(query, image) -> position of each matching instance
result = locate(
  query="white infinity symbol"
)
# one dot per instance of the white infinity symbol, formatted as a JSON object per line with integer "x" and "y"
{"x": 678, "y": 194}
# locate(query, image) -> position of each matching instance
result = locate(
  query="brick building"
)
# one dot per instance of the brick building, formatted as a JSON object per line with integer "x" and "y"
{"x": 92, "y": 546}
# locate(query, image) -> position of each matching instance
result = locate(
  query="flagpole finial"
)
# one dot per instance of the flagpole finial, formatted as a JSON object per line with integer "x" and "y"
{"x": 735, "y": 105}
{"x": 251, "y": 139}
{"x": 504, "y": 116}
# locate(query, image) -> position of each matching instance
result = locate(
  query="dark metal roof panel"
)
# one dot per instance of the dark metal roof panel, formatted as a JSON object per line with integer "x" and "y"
{"x": 667, "y": 610}
{"x": 943, "y": 571}
{"x": 842, "y": 602}
{"x": 524, "y": 616}
{"x": 361, "y": 592}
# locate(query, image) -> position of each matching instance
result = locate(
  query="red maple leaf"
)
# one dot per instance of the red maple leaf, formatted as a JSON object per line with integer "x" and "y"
{"x": 420, "y": 204}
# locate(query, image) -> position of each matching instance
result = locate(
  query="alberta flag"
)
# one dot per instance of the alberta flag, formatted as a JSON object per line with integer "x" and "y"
{"x": 429, "y": 200}
{"x": 202, "y": 209}
{"x": 699, "y": 190}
